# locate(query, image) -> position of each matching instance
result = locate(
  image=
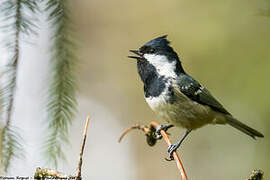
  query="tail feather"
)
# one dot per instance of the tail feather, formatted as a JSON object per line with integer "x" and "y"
{"x": 244, "y": 128}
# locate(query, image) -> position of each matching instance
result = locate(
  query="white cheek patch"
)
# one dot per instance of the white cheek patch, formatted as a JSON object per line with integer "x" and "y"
{"x": 162, "y": 64}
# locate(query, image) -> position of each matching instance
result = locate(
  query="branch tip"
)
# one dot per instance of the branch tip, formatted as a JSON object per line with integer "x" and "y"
{"x": 79, "y": 170}
{"x": 139, "y": 127}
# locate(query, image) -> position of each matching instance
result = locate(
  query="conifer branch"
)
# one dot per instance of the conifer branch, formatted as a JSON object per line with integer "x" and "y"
{"x": 16, "y": 22}
{"x": 62, "y": 102}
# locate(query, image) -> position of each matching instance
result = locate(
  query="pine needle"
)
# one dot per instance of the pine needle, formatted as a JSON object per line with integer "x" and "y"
{"x": 62, "y": 102}
{"x": 16, "y": 21}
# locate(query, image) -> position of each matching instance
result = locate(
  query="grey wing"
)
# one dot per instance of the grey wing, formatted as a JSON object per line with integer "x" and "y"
{"x": 193, "y": 90}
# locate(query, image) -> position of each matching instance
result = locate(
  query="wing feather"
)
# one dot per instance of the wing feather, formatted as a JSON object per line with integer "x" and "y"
{"x": 196, "y": 92}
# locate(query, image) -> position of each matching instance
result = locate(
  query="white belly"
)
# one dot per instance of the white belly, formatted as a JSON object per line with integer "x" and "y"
{"x": 183, "y": 112}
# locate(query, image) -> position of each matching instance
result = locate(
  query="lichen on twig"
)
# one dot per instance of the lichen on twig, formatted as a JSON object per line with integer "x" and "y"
{"x": 256, "y": 175}
{"x": 50, "y": 174}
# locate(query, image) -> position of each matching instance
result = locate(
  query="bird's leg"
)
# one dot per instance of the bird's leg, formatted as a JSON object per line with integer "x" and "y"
{"x": 164, "y": 128}
{"x": 175, "y": 146}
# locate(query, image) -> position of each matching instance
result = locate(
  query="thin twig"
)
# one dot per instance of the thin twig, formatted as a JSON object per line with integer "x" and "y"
{"x": 140, "y": 127}
{"x": 78, "y": 177}
{"x": 175, "y": 155}
{"x": 149, "y": 131}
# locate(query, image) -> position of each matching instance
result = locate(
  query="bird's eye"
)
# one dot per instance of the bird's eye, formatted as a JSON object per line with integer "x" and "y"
{"x": 152, "y": 50}
{"x": 147, "y": 50}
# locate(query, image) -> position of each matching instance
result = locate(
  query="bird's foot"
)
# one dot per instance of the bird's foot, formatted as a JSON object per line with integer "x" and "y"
{"x": 164, "y": 128}
{"x": 172, "y": 148}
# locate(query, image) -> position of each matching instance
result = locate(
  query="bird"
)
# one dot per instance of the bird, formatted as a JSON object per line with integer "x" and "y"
{"x": 177, "y": 97}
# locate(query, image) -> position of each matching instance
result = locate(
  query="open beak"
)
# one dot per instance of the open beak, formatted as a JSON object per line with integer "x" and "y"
{"x": 138, "y": 53}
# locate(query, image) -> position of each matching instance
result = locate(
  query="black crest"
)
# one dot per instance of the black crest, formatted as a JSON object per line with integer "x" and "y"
{"x": 160, "y": 46}
{"x": 160, "y": 42}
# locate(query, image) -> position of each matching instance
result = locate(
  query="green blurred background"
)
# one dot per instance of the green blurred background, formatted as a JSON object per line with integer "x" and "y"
{"x": 223, "y": 44}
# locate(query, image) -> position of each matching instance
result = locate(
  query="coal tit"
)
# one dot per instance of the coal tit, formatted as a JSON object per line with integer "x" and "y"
{"x": 175, "y": 96}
